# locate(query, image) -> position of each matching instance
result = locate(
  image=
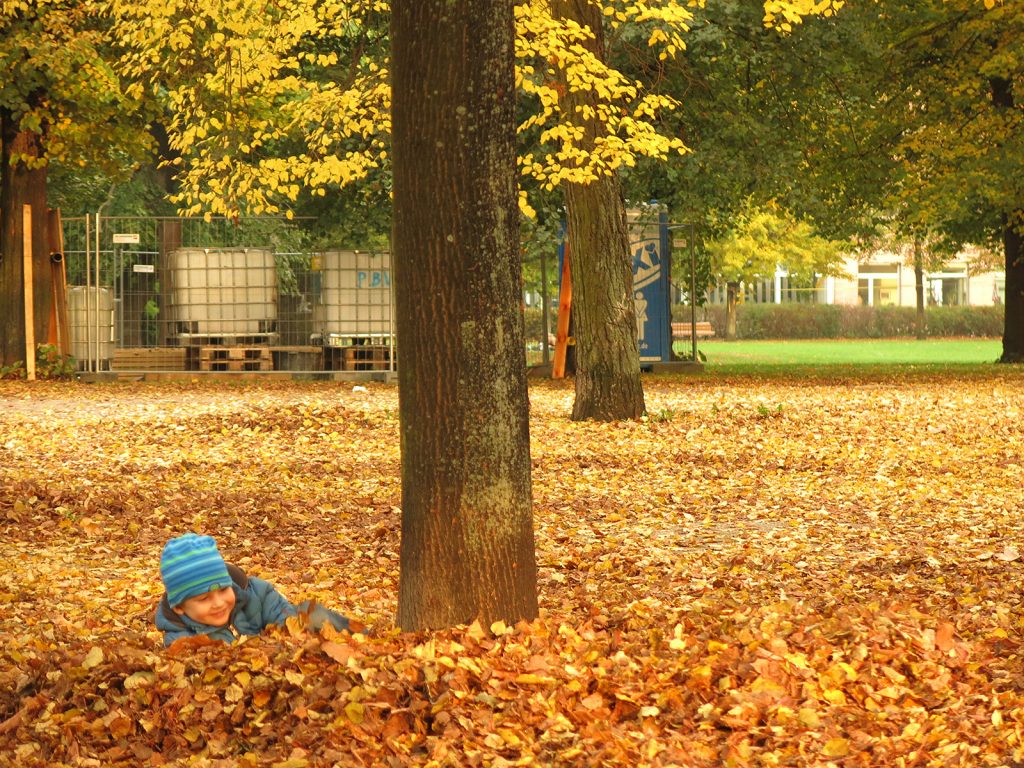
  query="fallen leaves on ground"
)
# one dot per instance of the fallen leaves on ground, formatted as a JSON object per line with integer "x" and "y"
{"x": 820, "y": 573}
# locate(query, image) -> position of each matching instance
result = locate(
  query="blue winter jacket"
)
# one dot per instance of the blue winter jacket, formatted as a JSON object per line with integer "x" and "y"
{"x": 257, "y": 605}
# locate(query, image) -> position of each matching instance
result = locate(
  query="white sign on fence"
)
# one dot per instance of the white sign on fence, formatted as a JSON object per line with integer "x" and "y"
{"x": 143, "y": 268}
{"x": 126, "y": 238}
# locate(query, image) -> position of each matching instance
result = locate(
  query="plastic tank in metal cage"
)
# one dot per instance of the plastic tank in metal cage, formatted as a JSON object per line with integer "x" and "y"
{"x": 91, "y": 324}
{"x": 354, "y": 304}
{"x": 223, "y": 292}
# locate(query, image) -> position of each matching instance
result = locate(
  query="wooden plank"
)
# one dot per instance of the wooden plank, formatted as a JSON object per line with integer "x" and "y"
{"x": 703, "y": 329}
{"x": 225, "y": 339}
{"x": 302, "y": 348}
{"x": 30, "y": 317}
{"x": 234, "y": 353}
{"x": 564, "y": 314}
{"x": 148, "y": 359}
{"x": 58, "y": 332}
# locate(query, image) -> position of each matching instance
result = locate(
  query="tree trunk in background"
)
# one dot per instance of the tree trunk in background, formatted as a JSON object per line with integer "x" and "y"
{"x": 166, "y": 155}
{"x": 1013, "y": 324}
{"x": 20, "y": 186}
{"x": 732, "y": 289}
{"x": 467, "y": 528}
{"x": 168, "y": 232}
{"x": 608, "y": 383}
{"x": 920, "y": 327}
{"x": 1013, "y": 227}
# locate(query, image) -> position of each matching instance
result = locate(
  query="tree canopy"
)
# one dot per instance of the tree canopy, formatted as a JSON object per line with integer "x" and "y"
{"x": 764, "y": 238}
{"x": 265, "y": 104}
{"x": 58, "y": 81}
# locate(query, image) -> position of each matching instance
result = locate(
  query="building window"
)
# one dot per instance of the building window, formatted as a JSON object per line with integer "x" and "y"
{"x": 947, "y": 289}
{"x": 878, "y": 284}
{"x": 999, "y": 291}
{"x": 878, "y": 290}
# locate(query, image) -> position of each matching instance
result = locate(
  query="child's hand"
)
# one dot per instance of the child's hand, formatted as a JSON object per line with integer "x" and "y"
{"x": 316, "y": 616}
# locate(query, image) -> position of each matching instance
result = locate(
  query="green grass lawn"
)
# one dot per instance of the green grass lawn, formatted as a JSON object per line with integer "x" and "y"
{"x": 844, "y": 357}
{"x": 838, "y": 355}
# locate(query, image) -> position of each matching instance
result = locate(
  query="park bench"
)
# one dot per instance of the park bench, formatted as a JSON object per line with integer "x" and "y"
{"x": 702, "y": 328}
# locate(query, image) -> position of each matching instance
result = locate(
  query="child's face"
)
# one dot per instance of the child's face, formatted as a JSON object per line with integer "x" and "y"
{"x": 211, "y": 608}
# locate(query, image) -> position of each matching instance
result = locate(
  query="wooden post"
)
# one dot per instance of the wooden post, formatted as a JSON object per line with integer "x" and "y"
{"x": 30, "y": 320}
{"x": 59, "y": 334}
{"x": 564, "y": 314}
{"x": 545, "y": 323}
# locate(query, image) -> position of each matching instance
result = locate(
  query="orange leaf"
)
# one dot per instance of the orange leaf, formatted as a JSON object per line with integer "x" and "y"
{"x": 340, "y": 652}
{"x": 184, "y": 646}
{"x": 944, "y": 636}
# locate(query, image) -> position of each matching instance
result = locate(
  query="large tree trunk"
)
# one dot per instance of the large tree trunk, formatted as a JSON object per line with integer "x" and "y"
{"x": 919, "y": 326}
{"x": 467, "y": 528}
{"x": 604, "y": 316}
{"x": 21, "y": 185}
{"x": 1013, "y": 229}
{"x": 1013, "y": 324}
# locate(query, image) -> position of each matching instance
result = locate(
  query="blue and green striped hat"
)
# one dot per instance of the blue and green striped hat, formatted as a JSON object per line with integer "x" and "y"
{"x": 191, "y": 565}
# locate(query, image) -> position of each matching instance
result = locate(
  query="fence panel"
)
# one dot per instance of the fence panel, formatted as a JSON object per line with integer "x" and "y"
{"x": 172, "y": 294}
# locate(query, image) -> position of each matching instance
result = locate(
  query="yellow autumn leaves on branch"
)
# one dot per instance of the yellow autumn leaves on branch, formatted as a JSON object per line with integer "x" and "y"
{"x": 259, "y": 113}
{"x": 263, "y": 102}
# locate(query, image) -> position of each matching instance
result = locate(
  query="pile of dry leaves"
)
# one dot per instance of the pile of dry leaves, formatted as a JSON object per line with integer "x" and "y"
{"x": 761, "y": 574}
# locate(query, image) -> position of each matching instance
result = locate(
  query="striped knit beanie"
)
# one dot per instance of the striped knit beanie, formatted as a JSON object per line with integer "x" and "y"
{"x": 191, "y": 565}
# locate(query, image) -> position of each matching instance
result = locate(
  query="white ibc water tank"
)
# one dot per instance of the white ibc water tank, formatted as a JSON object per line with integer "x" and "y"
{"x": 91, "y": 323}
{"x": 355, "y": 297}
{"x": 223, "y": 291}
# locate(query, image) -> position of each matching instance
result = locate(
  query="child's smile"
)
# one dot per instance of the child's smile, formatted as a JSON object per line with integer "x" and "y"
{"x": 211, "y": 608}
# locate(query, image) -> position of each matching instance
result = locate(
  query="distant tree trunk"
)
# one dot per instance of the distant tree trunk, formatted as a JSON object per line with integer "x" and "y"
{"x": 467, "y": 529}
{"x": 1013, "y": 227}
{"x": 608, "y": 383}
{"x": 166, "y": 156}
{"x": 920, "y": 328}
{"x": 21, "y": 185}
{"x": 732, "y": 290}
{"x": 169, "y": 235}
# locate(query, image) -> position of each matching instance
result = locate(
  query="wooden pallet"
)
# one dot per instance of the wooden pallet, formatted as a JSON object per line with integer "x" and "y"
{"x": 236, "y": 365}
{"x": 148, "y": 359}
{"x": 297, "y": 358}
{"x": 234, "y": 353}
{"x": 361, "y": 357}
{"x": 367, "y": 358}
{"x": 217, "y": 358}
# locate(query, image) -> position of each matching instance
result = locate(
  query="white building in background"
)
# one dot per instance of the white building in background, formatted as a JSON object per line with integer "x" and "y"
{"x": 886, "y": 279}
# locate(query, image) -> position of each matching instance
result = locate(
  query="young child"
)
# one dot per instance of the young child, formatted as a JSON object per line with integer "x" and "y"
{"x": 206, "y": 596}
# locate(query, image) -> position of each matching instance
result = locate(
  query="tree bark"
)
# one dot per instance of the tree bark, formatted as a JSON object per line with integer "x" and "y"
{"x": 920, "y": 327}
{"x": 1013, "y": 234}
{"x": 1013, "y": 323}
{"x": 169, "y": 237}
{"x": 608, "y": 384}
{"x": 21, "y": 185}
{"x": 467, "y": 529}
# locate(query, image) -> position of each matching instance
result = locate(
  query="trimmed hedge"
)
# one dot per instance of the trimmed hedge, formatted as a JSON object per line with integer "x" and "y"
{"x": 831, "y": 321}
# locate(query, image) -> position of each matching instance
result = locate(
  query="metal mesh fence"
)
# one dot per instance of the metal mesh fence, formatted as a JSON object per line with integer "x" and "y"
{"x": 148, "y": 294}
{"x": 177, "y": 294}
